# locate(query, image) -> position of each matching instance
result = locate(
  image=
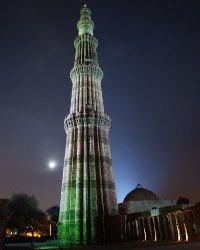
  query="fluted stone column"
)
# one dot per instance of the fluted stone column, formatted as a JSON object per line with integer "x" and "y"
{"x": 88, "y": 197}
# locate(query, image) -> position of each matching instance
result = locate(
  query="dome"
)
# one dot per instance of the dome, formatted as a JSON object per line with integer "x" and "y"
{"x": 140, "y": 194}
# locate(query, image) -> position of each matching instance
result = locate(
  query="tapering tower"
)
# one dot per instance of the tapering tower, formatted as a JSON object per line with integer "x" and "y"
{"x": 88, "y": 206}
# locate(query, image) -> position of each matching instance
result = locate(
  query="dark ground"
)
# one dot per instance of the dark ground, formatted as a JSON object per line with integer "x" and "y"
{"x": 164, "y": 245}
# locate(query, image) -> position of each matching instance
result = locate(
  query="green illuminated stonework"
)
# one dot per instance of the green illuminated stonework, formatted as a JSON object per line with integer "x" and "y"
{"x": 88, "y": 206}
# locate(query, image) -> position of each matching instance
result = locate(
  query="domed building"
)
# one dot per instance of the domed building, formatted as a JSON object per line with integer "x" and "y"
{"x": 141, "y": 199}
{"x": 146, "y": 217}
{"x": 140, "y": 194}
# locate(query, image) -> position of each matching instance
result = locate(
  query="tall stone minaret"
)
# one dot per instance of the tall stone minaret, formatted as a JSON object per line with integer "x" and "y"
{"x": 88, "y": 206}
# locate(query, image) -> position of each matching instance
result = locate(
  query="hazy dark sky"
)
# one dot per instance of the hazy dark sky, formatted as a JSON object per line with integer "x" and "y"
{"x": 149, "y": 51}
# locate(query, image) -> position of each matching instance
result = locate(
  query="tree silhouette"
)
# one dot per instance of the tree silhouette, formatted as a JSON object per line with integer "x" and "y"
{"x": 24, "y": 213}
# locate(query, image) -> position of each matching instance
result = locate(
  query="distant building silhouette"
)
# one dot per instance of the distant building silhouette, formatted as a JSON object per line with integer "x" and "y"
{"x": 3, "y": 220}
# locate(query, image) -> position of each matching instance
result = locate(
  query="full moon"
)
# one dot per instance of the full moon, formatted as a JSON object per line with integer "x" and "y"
{"x": 52, "y": 164}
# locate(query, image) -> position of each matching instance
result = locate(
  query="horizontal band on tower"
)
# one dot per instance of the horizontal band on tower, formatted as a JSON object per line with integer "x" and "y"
{"x": 84, "y": 119}
{"x": 81, "y": 139}
{"x": 65, "y": 215}
{"x": 80, "y": 159}
{"x": 88, "y": 184}
{"x": 84, "y": 69}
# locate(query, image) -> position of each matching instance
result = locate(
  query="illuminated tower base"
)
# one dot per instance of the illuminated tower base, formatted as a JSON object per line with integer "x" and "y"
{"x": 88, "y": 206}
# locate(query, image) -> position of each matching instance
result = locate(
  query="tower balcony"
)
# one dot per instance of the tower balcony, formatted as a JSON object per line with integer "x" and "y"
{"x": 87, "y": 119}
{"x": 86, "y": 69}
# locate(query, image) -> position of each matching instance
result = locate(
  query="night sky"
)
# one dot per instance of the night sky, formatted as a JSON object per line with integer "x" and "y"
{"x": 149, "y": 51}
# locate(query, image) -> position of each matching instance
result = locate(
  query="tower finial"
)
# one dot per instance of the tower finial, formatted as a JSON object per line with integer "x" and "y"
{"x": 85, "y": 24}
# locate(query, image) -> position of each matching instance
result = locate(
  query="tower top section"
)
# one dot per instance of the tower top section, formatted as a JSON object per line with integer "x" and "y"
{"x": 85, "y": 24}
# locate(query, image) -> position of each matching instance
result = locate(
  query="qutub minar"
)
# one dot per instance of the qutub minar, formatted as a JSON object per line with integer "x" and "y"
{"x": 88, "y": 206}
